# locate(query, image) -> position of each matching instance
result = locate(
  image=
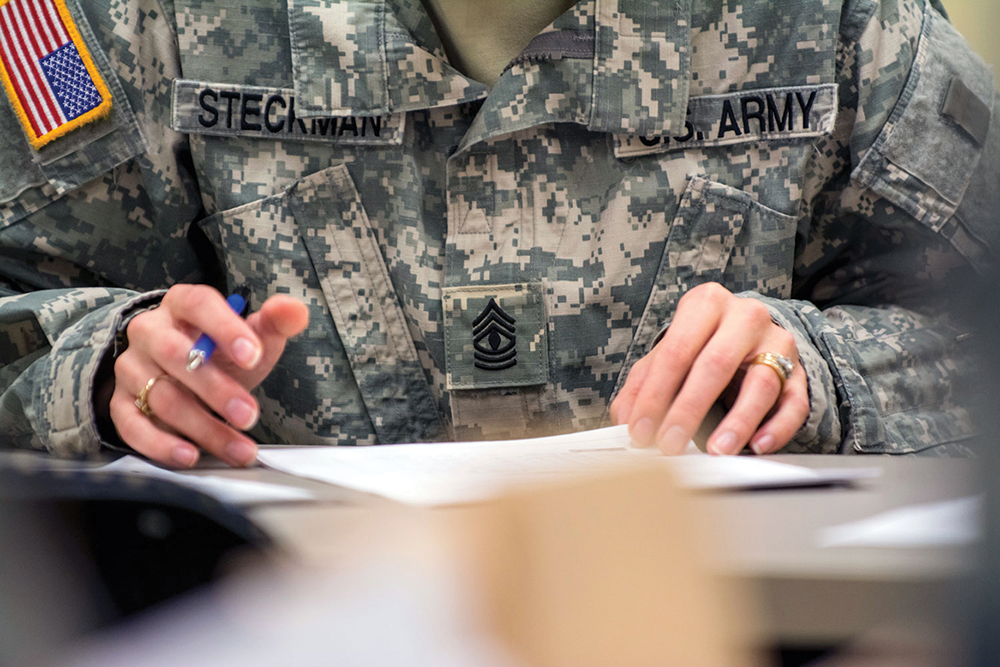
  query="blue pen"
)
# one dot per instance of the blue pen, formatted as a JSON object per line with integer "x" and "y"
{"x": 205, "y": 346}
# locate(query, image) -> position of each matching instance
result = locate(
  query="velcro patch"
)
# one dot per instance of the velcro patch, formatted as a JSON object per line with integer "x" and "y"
{"x": 47, "y": 71}
{"x": 494, "y": 336}
{"x": 967, "y": 110}
{"x": 231, "y": 110}
{"x": 772, "y": 114}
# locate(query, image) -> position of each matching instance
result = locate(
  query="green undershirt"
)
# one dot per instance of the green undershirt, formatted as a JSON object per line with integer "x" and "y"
{"x": 482, "y": 36}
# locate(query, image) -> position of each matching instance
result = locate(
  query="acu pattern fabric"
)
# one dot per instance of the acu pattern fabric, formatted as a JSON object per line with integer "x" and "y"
{"x": 836, "y": 159}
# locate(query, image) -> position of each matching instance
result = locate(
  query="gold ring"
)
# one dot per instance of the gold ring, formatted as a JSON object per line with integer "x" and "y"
{"x": 141, "y": 399}
{"x": 781, "y": 365}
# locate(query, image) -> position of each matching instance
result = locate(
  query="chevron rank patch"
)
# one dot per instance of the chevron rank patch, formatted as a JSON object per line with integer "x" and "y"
{"x": 47, "y": 70}
{"x": 495, "y": 336}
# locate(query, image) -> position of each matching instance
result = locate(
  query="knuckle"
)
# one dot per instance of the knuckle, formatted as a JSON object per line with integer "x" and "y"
{"x": 676, "y": 354}
{"x": 636, "y": 374}
{"x": 126, "y": 426}
{"x": 139, "y": 326}
{"x": 176, "y": 294}
{"x": 717, "y": 361}
{"x": 756, "y": 312}
{"x": 115, "y": 407}
{"x": 739, "y": 423}
{"x": 198, "y": 296}
{"x": 182, "y": 299}
{"x": 123, "y": 363}
{"x": 716, "y": 291}
{"x": 785, "y": 339}
{"x": 711, "y": 292}
{"x": 769, "y": 381}
{"x": 165, "y": 399}
{"x": 216, "y": 435}
{"x": 687, "y": 405}
{"x": 173, "y": 350}
{"x": 799, "y": 405}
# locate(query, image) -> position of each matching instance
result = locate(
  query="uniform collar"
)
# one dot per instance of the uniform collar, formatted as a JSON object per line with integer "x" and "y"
{"x": 372, "y": 57}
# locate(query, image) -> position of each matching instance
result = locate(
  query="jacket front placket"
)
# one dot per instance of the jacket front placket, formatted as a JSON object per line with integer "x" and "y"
{"x": 356, "y": 58}
{"x": 610, "y": 67}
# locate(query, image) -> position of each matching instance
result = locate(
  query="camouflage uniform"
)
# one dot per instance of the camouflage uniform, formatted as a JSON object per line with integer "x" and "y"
{"x": 490, "y": 263}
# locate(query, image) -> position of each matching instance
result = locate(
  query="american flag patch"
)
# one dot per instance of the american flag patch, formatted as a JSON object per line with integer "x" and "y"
{"x": 49, "y": 75}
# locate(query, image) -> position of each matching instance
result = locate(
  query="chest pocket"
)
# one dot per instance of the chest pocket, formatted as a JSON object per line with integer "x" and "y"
{"x": 353, "y": 377}
{"x": 763, "y": 256}
{"x": 30, "y": 178}
{"x": 720, "y": 234}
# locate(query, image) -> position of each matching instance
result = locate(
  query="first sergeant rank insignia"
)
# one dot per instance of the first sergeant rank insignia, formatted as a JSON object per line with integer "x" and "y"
{"x": 494, "y": 339}
{"x": 47, "y": 71}
{"x": 495, "y": 336}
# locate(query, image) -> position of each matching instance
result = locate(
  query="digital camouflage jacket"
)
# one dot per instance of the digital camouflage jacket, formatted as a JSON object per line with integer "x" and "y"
{"x": 489, "y": 263}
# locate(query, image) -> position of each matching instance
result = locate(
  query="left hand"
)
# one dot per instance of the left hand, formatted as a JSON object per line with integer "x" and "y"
{"x": 706, "y": 353}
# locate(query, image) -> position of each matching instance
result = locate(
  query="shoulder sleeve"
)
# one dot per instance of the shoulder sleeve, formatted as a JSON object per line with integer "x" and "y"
{"x": 93, "y": 225}
{"x": 903, "y": 201}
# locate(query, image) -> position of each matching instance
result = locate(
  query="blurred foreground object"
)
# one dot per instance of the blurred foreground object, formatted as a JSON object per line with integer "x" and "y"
{"x": 48, "y": 594}
{"x": 607, "y": 571}
{"x": 600, "y": 571}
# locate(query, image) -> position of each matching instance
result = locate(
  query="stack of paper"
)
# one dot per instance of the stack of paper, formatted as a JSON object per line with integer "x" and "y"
{"x": 463, "y": 472}
{"x": 223, "y": 489}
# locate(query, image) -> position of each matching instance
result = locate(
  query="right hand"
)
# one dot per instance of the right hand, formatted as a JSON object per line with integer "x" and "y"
{"x": 187, "y": 405}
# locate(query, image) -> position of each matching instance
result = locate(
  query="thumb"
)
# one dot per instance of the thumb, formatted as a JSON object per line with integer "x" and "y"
{"x": 279, "y": 318}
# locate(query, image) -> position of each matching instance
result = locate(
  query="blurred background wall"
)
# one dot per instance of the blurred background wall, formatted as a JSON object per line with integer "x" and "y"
{"x": 979, "y": 21}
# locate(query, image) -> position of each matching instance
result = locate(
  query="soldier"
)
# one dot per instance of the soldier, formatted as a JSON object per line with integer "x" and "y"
{"x": 488, "y": 224}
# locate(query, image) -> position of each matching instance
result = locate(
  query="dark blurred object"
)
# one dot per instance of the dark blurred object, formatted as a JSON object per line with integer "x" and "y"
{"x": 81, "y": 550}
{"x": 49, "y": 591}
{"x": 985, "y": 591}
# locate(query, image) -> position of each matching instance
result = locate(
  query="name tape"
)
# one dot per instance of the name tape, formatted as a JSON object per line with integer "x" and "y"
{"x": 230, "y": 110}
{"x": 772, "y": 114}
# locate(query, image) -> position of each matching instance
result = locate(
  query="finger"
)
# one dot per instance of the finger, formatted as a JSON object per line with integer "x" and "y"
{"x": 207, "y": 311}
{"x": 279, "y": 318}
{"x": 792, "y": 413}
{"x": 167, "y": 348}
{"x": 621, "y": 407}
{"x": 697, "y": 317}
{"x": 758, "y": 393}
{"x": 742, "y": 329}
{"x": 179, "y": 410}
{"x": 139, "y": 433}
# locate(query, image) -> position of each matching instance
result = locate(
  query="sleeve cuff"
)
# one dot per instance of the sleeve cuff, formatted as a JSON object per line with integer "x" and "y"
{"x": 63, "y": 414}
{"x": 821, "y": 434}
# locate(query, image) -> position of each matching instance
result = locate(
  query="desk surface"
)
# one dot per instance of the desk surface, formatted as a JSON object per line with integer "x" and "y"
{"x": 807, "y": 593}
{"x": 769, "y": 538}
{"x": 772, "y": 533}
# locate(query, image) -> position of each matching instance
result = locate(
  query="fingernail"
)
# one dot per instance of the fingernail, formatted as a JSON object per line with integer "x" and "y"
{"x": 184, "y": 455}
{"x": 240, "y": 414}
{"x": 642, "y": 433}
{"x": 246, "y": 353}
{"x": 724, "y": 444}
{"x": 674, "y": 441}
{"x": 242, "y": 453}
{"x": 763, "y": 444}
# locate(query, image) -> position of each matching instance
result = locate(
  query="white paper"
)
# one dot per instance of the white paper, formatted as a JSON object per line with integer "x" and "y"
{"x": 948, "y": 523}
{"x": 229, "y": 491}
{"x": 463, "y": 472}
